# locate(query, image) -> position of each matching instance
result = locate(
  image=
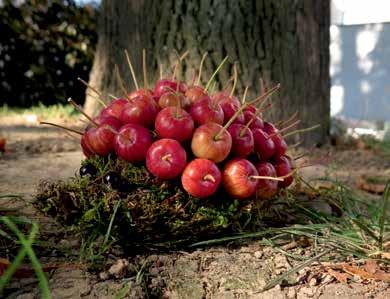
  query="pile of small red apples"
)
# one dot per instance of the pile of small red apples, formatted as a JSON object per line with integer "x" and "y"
{"x": 182, "y": 131}
{"x": 207, "y": 140}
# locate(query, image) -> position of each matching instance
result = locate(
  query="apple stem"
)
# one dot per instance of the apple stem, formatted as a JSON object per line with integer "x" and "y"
{"x": 178, "y": 62}
{"x": 131, "y": 69}
{"x": 121, "y": 84}
{"x": 262, "y": 86}
{"x": 269, "y": 105}
{"x": 301, "y": 131}
{"x": 61, "y": 127}
{"x": 215, "y": 73}
{"x": 78, "y": 108}
{"x": 112, "y": 96}
{"x": 285, "y": 128}
{"x": 245, "y": 93}
{"x": 291, "y": 118}
{"x": 235, "y": 115}
{"x": 100, "y": 99}
{"x": 296, "y": 144}
{"x": 166, "y": 157}
{"x": 161, "y": 70}
{"x": 234, "y": 80}
{"x": 209, "y": 177}
{"x": 201, "y": 67}
{"x": 271, "y": 178}
{"x": 145, "y": 69}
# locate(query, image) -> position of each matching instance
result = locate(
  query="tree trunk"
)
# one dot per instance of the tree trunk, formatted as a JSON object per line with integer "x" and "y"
{"x": 277, "y": 40}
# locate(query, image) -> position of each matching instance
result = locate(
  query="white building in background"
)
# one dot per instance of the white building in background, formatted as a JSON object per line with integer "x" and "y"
{"x": 360, "y": 59}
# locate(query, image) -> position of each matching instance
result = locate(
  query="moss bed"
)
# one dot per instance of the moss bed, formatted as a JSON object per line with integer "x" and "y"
{"x": 150, "y": 214}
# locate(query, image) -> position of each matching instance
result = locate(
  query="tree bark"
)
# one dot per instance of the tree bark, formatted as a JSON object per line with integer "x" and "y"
{"x": 277, "y": 40}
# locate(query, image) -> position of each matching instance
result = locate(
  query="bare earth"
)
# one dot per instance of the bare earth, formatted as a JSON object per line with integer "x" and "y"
{"x": 220, "y": 272}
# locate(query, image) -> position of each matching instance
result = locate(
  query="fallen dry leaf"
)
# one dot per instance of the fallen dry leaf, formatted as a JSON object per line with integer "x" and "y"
{"x": 371, "y": 187}
{"x": 371, "y": 266}
{"x": 4, "y": 263}
{"x": 340, "y": 277}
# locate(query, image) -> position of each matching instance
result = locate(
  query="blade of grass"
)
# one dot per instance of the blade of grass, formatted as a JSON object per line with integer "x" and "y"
{"x": 111, "y": 222}
{"x": 30, "y": 253}
{"x": 280, "y": 278}
{"x": 383, "y": 210}
{"x": 6, "y": 277}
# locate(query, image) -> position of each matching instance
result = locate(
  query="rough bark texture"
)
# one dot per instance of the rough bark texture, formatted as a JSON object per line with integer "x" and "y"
{"x": 280, "y": 41}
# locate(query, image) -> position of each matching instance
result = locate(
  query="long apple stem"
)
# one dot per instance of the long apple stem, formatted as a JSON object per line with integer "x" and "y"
{"x": 120, "y": 81}
{"x": 290, "y": 119}
{"x": 215, "y": 73}
{"x": 209, "y": 177}
{"x": 61, "y": 127}
{"x": 178, "y": 62}
{"x": 160, "y": 67}
{"x": 131, "y": 70}
{"x": 99, "y": 94}
{"x": 235, "y": 76}
{"x": 269, "y": 105}
{"x": 201, "y": 67}
{"x": 296, "y": 144}
{"x": 235, "y": 115}
{"x": 301, "y": 131}
{"x": 245, "y": 93}
{"x": 78, "y": 108}
{"x": 112, "y": 96}
{"x": 271, "y": 178}
{"x": 279, "y": 132}
{"x": 145, "y": 69}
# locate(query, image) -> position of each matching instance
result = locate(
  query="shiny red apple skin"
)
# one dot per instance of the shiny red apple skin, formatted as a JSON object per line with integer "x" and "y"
{"x": 113, "y": 122}
{"x": 195, "y": 93}
{"x": 280, "y": 145}
{"x": 203, "y": 111}
{"x": 142, "y": 111}
{"x": 140, "y": 93}
{"x": 224, "y": 96}
{"x": 251, "y": 109}
{"x": 100, "y": 139}
{"x": 236, "y": 178}
{"x": 257, "y": 123}
{"x": 242, "y": 140}
{"x": 229, "y": 109}
{"x": 264, "y": 145}
{"x": 201, "y": 178}
{"x": 165, "y": 85}
{"x": 269, "y": 128}
{"x": 266, "y": 188}
{"x": 114, "y": 109}
{"x": 85, "y": 146}
{"x": 171, "y": 99}
{"x": 166, "y": 159}
{"x": 132, "y": 142}
{"x": 205, "y": 145}
{"x": 283, "y": 167}
{"x": 174, "y": 123}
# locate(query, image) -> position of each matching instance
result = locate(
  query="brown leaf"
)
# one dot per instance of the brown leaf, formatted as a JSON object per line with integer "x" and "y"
{"x": 4, "y": 263}
{"x": 370, "y": 186}
{"x": 356, "y": 271}
{"x": 340, "y": 277}
{"x": 371, "y": 266}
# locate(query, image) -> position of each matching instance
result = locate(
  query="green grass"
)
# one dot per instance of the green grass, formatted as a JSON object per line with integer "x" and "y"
{"x": 26, "y": 249}
{"x": 374, "y": 144}
{"x": 45, "y": 112}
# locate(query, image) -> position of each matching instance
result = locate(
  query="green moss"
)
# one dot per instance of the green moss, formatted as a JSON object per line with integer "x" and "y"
{"x": 151, "y": 213}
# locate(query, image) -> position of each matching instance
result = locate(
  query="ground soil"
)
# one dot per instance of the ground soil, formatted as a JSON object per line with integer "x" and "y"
{"x": 33, "y": 154}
